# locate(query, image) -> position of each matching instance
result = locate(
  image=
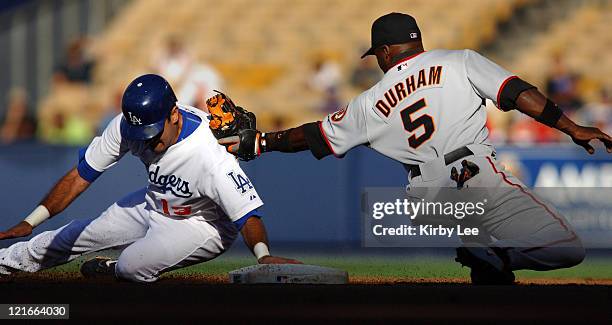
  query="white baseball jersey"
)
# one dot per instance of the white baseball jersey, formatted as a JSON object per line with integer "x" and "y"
{"x": 183, "y": 217}
{"x": 194, "y": 177}
{"x": 424, "y": 107}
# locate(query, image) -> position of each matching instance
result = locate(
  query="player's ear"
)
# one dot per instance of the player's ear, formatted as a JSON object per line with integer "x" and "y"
{"x": 385, "y": 51}
{"x": 174, "y": 115}
{"x": 383, "y": 56}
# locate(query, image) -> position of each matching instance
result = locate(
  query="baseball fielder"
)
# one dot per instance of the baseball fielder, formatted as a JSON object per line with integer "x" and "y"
{"x": 428, "y": 113}
{"x": 197, "y": 198}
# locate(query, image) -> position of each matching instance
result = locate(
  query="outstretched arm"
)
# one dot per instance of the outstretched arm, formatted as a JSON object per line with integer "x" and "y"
{"x": 336, "y": 134}
{"x": 66, "y": 190}
{"x": 510, "y": 92}
{"x": 254, "y": 234}
{"x": 533, "y": 103}
{"x": 305, "y": 137}
{"x": 290, "y": 140}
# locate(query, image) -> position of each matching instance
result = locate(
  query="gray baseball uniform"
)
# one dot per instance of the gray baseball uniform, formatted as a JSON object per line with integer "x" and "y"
{"x": 425, "y": 106}
{"x": 432, "y": 103}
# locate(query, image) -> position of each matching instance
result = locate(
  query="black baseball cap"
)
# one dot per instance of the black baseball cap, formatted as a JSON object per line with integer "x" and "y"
{"x": 393, "y": 28}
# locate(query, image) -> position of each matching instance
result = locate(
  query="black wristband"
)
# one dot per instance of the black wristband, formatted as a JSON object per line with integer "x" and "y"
{"x": 277, "y": 141}
{"x": 307, "y": 136}
{"x": 512, "y": 89}
{"x": 550, "y": 115}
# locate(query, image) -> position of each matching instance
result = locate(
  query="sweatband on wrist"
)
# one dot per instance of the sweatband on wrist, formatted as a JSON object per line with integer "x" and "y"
{"x": 278, "y": 141}
{"x": 550, "y": 115}
{"x": 263, "y": 144}
{"x": 260, "y": 250}
{"x": 40, "y": 214}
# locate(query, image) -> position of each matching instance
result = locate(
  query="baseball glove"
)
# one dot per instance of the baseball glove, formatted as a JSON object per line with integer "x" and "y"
{"x": 227, "y": 119}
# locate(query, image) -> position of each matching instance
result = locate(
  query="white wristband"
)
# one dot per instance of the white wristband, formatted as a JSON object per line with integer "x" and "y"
{"x": 264, "y": 143}
{"x": 37, "y": 216}
{"x": 260, "y": 249}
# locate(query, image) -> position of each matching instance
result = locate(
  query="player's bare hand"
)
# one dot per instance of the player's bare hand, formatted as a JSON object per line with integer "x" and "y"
{"x": 277, "y": 260}
{"x": 583, "y": 135}
{"x": 22, "y": 229}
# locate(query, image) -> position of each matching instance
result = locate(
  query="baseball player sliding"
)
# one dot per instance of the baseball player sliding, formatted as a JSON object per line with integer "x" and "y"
{"x": 197, "y": 198}
{"x": 428, "y": 113}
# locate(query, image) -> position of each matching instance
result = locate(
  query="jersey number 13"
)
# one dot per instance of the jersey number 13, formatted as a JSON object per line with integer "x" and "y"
{"x": 410, "y": 125}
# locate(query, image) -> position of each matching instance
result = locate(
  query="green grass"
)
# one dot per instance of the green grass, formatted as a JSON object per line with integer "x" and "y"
{"x": 409, "y": 267}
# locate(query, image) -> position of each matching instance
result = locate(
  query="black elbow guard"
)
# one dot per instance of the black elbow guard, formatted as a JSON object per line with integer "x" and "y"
{"x": 315, "y": 141}
{"x": 510, "y": 92}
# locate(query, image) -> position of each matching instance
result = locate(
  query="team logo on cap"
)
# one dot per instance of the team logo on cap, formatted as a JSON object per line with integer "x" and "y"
{"x": 134, "y": 119}
{"x": 414, "y": 35}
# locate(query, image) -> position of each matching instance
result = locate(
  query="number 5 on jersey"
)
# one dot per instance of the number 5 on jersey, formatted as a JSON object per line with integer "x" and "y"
{"x": 410, "y": 125}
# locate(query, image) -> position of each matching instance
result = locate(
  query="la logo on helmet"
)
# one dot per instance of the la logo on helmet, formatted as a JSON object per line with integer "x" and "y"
{"x": 135, "y": 120}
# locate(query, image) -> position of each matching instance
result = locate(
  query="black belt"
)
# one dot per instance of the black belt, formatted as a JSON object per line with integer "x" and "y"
{"x": 449, "y": 158}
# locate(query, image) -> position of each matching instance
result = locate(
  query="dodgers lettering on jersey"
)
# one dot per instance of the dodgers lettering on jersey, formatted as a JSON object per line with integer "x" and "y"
{"x": 424, "y": 107}
{"x": 194, "y": 177}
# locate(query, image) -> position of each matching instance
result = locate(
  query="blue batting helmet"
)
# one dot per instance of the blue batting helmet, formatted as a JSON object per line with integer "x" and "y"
{"x": 146, "y": 103}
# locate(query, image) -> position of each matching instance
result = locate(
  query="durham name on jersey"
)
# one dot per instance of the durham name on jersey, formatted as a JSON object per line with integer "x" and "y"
{"x": 424, "y": 107}
{"x": 194, "y": 177}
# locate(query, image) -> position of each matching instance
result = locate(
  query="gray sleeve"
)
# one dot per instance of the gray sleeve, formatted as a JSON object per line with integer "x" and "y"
{"x": 487, "y": 77}
{"x": 346, "y": 128}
